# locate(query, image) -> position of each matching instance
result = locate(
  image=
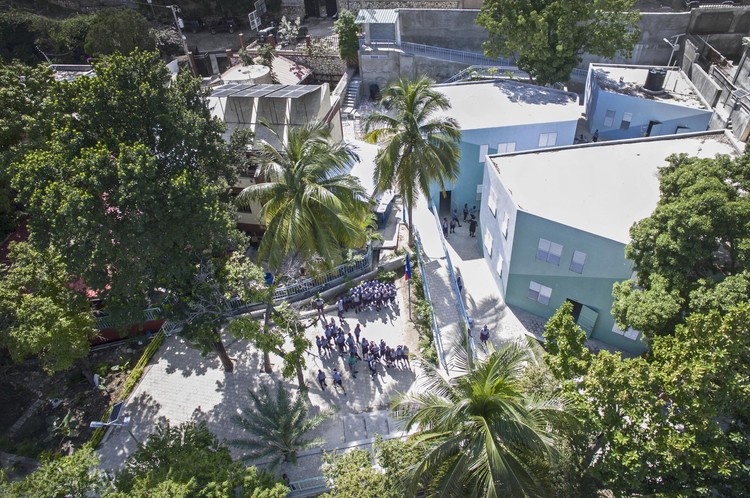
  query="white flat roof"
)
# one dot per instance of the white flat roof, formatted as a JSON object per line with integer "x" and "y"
{"x": 629, "y": 80}
{"x": 601, "y": 188}
{"x": 496, "y": 103}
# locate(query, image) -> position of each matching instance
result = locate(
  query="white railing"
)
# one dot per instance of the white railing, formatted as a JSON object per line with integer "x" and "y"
{"x": 437, "y": 338}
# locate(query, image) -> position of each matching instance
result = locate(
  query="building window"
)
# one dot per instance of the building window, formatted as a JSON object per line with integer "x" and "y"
{"x": 499, "y": 266}
{"x": 506, "y": 147}
{"x": 609, "y": 118}
{"x": 547, "y": 139}
{"x": 492, "y": 202}
{"x": 539, "y": 293}
{"x": 549, "y": 251}
{"x": 488, "y": 241}
{"x": 504, "y": 226}
{"x": 483, "y": 149}
{"x": 577, "y": 261}
{"x": 631, "y": 333}
{"x": 626, "y": 119}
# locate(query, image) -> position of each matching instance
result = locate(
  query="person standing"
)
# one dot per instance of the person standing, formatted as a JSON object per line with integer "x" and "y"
{"x": 484, "y": 335}
{"x": 352, "y": 363}
{"x": 454, "y": 217}
{"x": 357, "y": 331}
{"x": 445, "y": 227}
{"x": 319, "y": 303}
{"x": 595, "y": 136}
{"x": 453, "y": 225}
{"x": 466, "y": 211}
{"x": 472, "y": 227}
{"x": 459, "y": 283}
{"x": 337, "y": 381}
{"x": 322, "y": 380}
{"x": 340, "y": 306}
{"x": 473, "y": 212}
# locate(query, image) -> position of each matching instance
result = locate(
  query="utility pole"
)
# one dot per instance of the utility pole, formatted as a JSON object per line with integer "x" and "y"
{"x": 175, "y": 9}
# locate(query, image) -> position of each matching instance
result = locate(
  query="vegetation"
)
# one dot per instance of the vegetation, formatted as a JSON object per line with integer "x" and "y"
{"x": 277, "y": 426}
{"x": 348, "y": 33}
{"x": 565, "y": 342}
{"x": 693, "y": 253}
{"x": 547, "y": 37}
{"x": 311, "y": 206}
{"x": 482, "y": 435}
{"x": 359, "y": 473}
{"x": 417, "y": 145}
{"x": 118, "y": 31}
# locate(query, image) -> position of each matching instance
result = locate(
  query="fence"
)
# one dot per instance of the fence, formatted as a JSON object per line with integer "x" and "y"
{"x": 456, "y": 290}
{"x": 149, "y": 314}
{"x": 435, "y": 331}
{"x": 441, "y": 53}
{"x": 308, "y": 487}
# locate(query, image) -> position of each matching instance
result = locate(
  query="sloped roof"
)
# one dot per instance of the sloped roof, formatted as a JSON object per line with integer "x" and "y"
{"x": 377, "y": 16}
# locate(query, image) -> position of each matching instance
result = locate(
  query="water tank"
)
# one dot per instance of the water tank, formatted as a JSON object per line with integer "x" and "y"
{"x": 655, "y": 80}
{"x": 256, "y": 74}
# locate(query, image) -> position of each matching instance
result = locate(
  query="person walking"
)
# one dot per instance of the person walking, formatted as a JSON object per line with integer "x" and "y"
{"x": 484, "y": 335}
{"x": 466, "y": 211}
{"x": 472, "y": 227}
{"x": 373, "y": 368}
{"x": 473, "y": 212}
{"x": 455, "y": 217}
{"x": 445, "y": 227}
{"x": 357, "y": 331}
{"x": 340, "y": 307}
{"x": 459, "y": 283}
{"x": 337, "y": 381}
{"x": 352, "y": 363}
{"x": 319, "y": 343}
{"x": 453, "y": 225}
{"x": 322, "y": 380}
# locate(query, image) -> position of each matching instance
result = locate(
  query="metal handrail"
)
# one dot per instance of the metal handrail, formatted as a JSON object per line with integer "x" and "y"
{"x": 437, "y": 338}
{"x": 304, "y": 486}
{"x": 149, "y": 314}
{"x": 442, "y": 53}
{"x": 456, "y": 290}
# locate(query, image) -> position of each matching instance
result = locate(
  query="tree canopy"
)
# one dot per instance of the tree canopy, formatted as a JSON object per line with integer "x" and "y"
{"x": 130, "y": 186}
{"x": 548, "y": 37}
{"x": 693, "y": 252}
{"x": 348, "y": 32}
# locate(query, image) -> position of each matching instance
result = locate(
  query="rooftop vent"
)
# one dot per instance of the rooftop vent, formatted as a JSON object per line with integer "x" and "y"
{"x": 655, "y": 81}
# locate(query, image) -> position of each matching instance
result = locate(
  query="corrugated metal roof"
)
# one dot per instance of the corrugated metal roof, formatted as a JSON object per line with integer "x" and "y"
{"x": 377, "y": 16}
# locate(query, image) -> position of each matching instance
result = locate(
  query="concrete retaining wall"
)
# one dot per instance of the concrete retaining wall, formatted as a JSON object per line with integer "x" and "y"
{"x": 456, "y": 29}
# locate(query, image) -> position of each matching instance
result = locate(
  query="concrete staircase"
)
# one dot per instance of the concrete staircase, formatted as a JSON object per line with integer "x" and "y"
{"x": 351, "y": 99}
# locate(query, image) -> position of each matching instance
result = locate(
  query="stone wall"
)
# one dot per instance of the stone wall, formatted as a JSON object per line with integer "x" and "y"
{"x": 324, "y": 67}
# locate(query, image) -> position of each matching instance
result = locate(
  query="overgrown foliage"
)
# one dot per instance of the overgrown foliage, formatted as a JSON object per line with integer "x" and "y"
{"x": 548, "y": 37}
{"x": 348, "y": 33}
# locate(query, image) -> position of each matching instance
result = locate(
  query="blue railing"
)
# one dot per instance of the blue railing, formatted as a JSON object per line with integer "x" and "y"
{"x": 441, "y": 53}
{"x": 456, "y": 290}
{"x": 437, "y": 338}
{"x": 103, "y": 322}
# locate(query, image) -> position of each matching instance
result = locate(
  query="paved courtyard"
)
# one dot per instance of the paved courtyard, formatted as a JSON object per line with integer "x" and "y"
{"x": 179, "y": 386}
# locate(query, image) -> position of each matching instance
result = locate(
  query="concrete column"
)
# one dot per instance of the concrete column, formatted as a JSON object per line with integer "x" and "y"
{"x": 242, "y": 41}
{"x": 229, "y": 54}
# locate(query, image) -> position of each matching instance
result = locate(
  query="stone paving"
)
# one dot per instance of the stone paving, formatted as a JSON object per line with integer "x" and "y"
{"x": 180, "y": 385}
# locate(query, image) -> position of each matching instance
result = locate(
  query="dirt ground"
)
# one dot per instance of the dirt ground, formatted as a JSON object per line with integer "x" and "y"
{"x": 26, "y": 392}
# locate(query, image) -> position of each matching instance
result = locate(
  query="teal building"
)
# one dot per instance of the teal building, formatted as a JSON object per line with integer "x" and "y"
{"x": 555, "y": 223}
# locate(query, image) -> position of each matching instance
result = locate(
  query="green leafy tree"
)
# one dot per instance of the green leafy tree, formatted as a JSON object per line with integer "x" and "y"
{"x": 675, "y": 423}
{"x": 565, "y": 343}
{"x": 118, "y": 31}
{"x": 547, "y": 37}
{"x": 41, "y": 314}
{"x": 189, "y": 461}
{"x": 19, "y": 32}
{"x": 348, "y": 32}
{"x": 205, "y": 308}
{"x": 698, "y": 235}
{"x": 418, "y": 145}
{"x": 359, "y": 473}
{"x": 277, "y": 426}
{"x": 73, "y": 475}
{"x": 267, "y": 54}
{"x": 481, "y": 432}
{"x": 137, "y": 161}
{"x": 68, "y": 37}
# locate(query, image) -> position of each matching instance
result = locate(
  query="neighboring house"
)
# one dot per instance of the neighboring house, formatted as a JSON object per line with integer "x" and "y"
{"x": 554, "y": 224}
{"x": 244, "y": 105}
{"x": 643, "y": 101}
{"x": 499, "y": 116}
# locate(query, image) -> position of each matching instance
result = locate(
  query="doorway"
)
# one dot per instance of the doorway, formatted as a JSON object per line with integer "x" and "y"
{"x": 577, "y": 307}
{"x": 444, "y": 208}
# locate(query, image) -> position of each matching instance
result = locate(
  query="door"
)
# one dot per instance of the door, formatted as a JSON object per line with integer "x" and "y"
{"x": 445, "y": 204}
{"x": 587, "y": 319}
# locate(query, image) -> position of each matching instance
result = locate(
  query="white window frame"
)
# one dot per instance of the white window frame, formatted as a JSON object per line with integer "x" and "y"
{"x": 492, "y": 202}
{"x": 499, "y": 267}
{"x": 627, "y": 118}
{"x": 506, "y": 147}
{"x": 578, "y": 261}
{"x": 631, "y": 333}
{"x": 549, "y": 251}
{"x": 539, "y": 293}
{"x": 488, "y": 241}
{"x": 609, "y": 118}
{"x": 483, "y": 150}
{"x": 504, "y": 225}
{"x": 548, "y": 139}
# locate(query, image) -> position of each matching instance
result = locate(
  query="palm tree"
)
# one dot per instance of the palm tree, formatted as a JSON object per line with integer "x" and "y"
{"x": 277, "y": 426}
{"x": 310, "y": 204}
{"x": 481, "y": 433}
{"x": 418, "y": 146}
